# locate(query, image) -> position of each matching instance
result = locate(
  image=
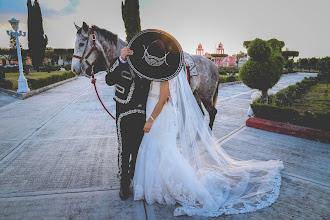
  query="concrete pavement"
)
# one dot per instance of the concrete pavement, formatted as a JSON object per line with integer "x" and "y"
{"x": 58, "y": 157}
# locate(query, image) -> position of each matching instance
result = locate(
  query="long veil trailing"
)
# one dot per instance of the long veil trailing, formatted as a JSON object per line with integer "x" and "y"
{"x": 225, "y": 185}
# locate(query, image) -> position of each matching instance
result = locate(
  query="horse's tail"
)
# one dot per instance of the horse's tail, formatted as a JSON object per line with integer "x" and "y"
{"x": 215, "y": 96}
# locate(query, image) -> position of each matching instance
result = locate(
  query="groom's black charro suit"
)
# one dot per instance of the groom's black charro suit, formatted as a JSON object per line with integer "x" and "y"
{"x": 131, "y": 93}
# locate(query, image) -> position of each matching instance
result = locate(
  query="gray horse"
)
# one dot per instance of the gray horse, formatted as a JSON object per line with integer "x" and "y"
{"x": 100, "y": 47}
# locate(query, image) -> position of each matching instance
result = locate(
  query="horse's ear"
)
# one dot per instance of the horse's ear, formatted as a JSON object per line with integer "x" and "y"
{"x": 77, "y": 27}
{"x": 85, "y": 27}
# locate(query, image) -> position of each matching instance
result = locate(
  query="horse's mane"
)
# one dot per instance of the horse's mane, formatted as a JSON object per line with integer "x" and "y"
{"x": 108, "y": 35}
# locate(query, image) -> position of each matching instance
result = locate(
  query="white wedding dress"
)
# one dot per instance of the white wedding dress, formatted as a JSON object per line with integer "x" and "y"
{"x": 179, "y": 161}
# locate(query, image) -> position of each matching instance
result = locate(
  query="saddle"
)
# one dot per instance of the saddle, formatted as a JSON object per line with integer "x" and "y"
{"x": 192, "y": 70}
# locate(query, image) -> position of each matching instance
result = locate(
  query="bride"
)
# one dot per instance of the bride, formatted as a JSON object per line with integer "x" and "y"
{"x": 180, "y": 161}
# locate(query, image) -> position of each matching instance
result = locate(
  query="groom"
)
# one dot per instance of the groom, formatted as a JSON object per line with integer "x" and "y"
{"x": 131, "y": 93}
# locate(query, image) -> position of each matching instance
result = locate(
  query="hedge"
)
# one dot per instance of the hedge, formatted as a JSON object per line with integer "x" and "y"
{"x": 39, "y": 83}
{"x": 286, "y": 97}
{"x": 6, "y": 84}
{"x": 11, "y": 69}
{"x": 225, "y": 79}
{"x": 230, "y": 70}
{"x": 67, "y": 67}
{"x": 279, "y": 107}
{"x": 49, "y": 68}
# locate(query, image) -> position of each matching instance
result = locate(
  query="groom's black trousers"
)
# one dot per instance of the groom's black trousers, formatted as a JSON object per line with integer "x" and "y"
{"x": 131, "y": 93}
{"x": 130, "y": 133}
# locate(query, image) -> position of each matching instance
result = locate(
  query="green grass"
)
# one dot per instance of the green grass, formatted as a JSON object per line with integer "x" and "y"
{"x": 35, "y": 75}
{"x": 317, "y": 99}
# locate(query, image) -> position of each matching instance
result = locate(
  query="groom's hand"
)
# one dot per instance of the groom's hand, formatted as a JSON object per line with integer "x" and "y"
{"x": 125, "y": 52}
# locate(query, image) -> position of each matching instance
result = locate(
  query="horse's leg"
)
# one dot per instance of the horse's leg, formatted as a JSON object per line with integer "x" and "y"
{"x": 210, "y": 109}
{"x": 198, "y": 100}
{"x": 215, "y": 96}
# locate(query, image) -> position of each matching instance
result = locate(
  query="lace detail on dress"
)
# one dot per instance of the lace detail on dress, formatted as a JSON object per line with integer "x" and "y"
{"x": 267, "y": 200}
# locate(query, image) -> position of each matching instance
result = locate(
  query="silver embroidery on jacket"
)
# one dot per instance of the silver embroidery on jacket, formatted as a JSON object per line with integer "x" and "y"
{"x": 120, "y": 147}
{"x": 114, "y": 66}
{"x": 129, "y": 96}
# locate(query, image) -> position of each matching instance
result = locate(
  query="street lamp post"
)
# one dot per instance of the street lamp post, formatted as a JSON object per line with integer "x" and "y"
{"x": 22, "y": 82}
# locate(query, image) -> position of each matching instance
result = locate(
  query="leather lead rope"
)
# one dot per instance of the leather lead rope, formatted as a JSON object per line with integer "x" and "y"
{"x": 94, "y": 83}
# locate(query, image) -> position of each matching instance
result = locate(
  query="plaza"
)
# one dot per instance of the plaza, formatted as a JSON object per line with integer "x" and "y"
{"x": 58, "y": 157}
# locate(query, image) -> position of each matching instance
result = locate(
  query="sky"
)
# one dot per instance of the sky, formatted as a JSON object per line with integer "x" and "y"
{"x": 303, "y": 25}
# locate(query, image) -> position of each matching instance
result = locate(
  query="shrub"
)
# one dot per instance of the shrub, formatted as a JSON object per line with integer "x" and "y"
{"x": 49, "y": 68}
{"x": 230, "y": 70}
{"x": 225, "y": 79}
{"x": 278, "y": 107}
{"x": 6, "y": 84}
{"x": 259, "y": 49}
{"x": 275, "y": 113}
{"x": 265, "y": 66}
{"x": 11, "y": 69}
{"x": 67, "y": 67}
{"x": 39, "y": 83}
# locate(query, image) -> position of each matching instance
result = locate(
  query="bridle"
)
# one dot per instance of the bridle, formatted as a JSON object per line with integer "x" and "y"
{"x": 84, "y": 60}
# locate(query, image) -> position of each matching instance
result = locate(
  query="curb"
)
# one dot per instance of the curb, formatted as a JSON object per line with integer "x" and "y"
{"x": 229, "y": 83}
{"x": 37, "y": 91}
{"x": 289, "y": 129}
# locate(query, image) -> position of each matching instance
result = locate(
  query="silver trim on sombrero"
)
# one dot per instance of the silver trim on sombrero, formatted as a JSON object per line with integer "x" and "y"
{"x": 153, "y": 60}
{"x": 149, "y": 78}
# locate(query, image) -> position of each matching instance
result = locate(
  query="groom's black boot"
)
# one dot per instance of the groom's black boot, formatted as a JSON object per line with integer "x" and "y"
{"x": 124, "y": 193}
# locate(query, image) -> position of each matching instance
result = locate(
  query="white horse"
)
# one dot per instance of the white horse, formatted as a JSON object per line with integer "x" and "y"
{"x": 97, "y": 47}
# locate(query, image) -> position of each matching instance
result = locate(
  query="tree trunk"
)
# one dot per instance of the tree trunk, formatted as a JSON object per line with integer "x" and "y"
{"x": 264, "y": 96}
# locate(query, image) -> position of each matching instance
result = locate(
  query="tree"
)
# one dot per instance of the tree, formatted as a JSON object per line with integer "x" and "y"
{"x": 37, "y": 40}
{"x": 238, "y": 56}
{"x": 289, "y": 65}
{"x": 53, "y": 56}
{"x": 325, "y": 65}
{"x": 265, "y": 66}
{"x": 289, "y": 53}
{"x": 303, "y": 62}
{"x": 313, "y": 62}
{"x": 7, "y": 54}
{"x": 131, "y": 17}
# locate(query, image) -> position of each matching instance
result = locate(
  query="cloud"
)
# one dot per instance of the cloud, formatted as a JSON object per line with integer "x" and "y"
{"x": 145, "y": 3}
{"x": 49, "y": 8}
{"x": 52, "y": 9}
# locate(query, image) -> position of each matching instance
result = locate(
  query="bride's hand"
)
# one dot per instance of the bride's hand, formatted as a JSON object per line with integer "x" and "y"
{"x": 147, "y": 126}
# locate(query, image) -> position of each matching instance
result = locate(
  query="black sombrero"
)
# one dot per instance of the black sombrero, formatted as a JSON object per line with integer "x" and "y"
{"x": 157, "y": 55}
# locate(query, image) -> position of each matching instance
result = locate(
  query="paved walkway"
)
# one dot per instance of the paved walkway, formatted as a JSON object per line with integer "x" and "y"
{"x": 58, "y": 158}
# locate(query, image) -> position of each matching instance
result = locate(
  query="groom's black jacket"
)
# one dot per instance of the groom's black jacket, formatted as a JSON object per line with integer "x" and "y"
{"x": 131, "y": 93}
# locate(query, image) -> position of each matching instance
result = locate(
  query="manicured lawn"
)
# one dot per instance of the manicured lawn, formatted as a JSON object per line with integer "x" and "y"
{"x": 317, "y": 99}
{"x": 36, "y": 75}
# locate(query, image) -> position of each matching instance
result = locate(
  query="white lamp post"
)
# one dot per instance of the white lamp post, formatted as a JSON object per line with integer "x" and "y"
{"x": 22, "y": 82}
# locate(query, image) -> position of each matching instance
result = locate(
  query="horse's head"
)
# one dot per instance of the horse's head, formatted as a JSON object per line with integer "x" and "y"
{"x": 85, "y": 51}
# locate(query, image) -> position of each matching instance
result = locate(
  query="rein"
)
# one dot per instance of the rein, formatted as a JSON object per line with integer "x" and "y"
{"x": 84, "y": 59}
{"x": 94, "y": 83}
